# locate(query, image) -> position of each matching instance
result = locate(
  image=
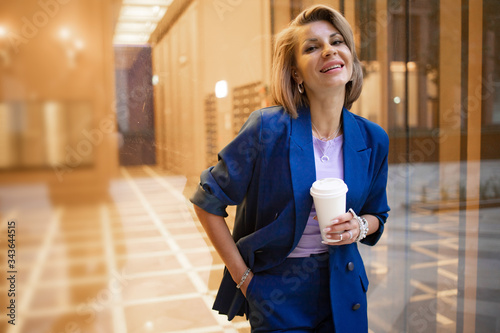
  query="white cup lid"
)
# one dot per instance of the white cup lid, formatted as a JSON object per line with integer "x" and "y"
{"x": 328, "y": 187}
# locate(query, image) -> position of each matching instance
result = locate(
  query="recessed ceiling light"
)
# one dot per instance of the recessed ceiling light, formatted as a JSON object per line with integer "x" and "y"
{"x": 137, "y": 18}
{"x": 64, "y": 33}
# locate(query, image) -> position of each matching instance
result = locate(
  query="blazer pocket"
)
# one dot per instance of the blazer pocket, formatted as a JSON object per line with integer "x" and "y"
{"x": 251, "y": 288}
{"x": 364, "y": 280}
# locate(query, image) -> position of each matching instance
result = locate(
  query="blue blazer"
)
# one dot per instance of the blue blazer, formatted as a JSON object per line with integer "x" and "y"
{"x": 267, "y": 170}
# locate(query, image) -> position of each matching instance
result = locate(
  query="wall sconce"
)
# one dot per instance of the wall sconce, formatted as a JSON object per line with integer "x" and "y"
{"x": 72, "y": 46}
{"x": 155, "y": 80}
{"x": 221, "y": 89}
{"x": 5, "y": 57}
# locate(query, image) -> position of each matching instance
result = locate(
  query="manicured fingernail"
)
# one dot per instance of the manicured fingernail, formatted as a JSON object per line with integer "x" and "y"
{"x": 335, "y": 221}
{"x": 326, "y": 230}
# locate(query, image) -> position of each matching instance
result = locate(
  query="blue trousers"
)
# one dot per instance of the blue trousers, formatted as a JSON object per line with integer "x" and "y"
{"x": 292, "y": 297}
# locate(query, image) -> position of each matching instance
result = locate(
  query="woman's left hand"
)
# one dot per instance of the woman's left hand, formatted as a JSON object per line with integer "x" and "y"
{"x": 343, "y": 230}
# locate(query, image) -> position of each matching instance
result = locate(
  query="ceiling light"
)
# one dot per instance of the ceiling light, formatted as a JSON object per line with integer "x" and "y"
{"x": 138, "y": 18}
{"x": 130, "y": 39}
{"x": 221, "y": 89}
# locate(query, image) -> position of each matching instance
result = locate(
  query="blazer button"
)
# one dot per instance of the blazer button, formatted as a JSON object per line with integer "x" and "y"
{"x": 350, "y": 266}
{"x": 356, "y": 306}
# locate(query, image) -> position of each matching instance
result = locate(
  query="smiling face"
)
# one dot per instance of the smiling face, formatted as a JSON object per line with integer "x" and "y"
{"x": 323, "y": 60}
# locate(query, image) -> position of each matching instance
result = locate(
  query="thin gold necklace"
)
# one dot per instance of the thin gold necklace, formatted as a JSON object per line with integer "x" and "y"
{"x": 324, "y": 158}
{"x": 327, "y": 138}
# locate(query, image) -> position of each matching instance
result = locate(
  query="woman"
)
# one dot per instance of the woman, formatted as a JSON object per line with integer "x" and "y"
{"x": 278, "y": 271}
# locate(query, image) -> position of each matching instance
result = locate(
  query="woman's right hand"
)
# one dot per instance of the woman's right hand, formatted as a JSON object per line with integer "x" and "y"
{"x": 245, "y": 284}
{"x": 218, "y": 232}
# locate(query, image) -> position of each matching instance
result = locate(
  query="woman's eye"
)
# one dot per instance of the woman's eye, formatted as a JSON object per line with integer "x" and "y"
{"x": 337, "y": 42}
{"x": 309, "y": 49}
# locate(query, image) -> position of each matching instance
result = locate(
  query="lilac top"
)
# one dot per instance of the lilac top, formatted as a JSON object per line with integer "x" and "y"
{"x": 310, "y": 242}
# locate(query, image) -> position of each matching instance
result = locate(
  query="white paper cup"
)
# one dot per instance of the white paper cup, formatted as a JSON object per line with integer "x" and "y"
{"x": 329, "y": 199}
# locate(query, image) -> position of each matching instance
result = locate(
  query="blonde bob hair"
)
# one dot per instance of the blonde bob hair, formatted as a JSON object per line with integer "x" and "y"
{"x": 283, "y": 87}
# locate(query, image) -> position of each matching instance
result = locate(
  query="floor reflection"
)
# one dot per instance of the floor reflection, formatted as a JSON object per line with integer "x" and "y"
{"x": 135, "y": 261}
{"x": 138, "y": 261}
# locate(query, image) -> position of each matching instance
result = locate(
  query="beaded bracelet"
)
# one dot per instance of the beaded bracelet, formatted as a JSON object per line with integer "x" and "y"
{"x": 243, "y": 278}
{"x": 363, "y": 225}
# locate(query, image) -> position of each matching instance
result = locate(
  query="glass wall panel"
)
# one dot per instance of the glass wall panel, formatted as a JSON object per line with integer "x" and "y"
{"x": 486, "y": 97}
{"x": 432, "y": 274}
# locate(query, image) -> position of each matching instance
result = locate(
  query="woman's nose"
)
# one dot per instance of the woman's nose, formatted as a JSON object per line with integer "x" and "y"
{"x": 329, "y": 50}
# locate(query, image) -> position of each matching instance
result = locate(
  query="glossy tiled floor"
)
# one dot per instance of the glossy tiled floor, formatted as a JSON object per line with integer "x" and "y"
{"x": 138, "y": 261}
{"x": 135, "y": 262}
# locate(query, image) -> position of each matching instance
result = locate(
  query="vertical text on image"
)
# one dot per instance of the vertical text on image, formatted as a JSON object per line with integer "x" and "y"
{"x": 11, "y": 271}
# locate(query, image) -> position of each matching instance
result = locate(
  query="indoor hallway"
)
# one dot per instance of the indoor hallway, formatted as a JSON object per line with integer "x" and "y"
{"x": 111, "y": 109}
{"x": 136, "y": 261}
{"x": 139, "y": 261}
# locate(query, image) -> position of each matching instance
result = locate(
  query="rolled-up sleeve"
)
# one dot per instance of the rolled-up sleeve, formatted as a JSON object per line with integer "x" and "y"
{"x": 207, "y": 201}
{"x": 227, "y": 182}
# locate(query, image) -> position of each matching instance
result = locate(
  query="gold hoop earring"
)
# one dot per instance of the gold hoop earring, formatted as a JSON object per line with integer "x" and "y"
{"x": 300, "y": 87}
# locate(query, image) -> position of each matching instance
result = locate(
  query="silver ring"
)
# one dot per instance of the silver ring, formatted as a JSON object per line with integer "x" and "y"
{"x": 354, "y": 216}
{"x": 341, "y": 237}
{"x": 350, "y": 234}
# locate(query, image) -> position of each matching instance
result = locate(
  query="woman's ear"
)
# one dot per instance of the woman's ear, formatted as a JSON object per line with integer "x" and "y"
{"x": 296, "y": 75}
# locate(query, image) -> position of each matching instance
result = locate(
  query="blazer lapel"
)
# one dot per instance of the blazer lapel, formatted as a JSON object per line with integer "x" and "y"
{"x": 302, "y": 169}
{"x": 356, "y": 161}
